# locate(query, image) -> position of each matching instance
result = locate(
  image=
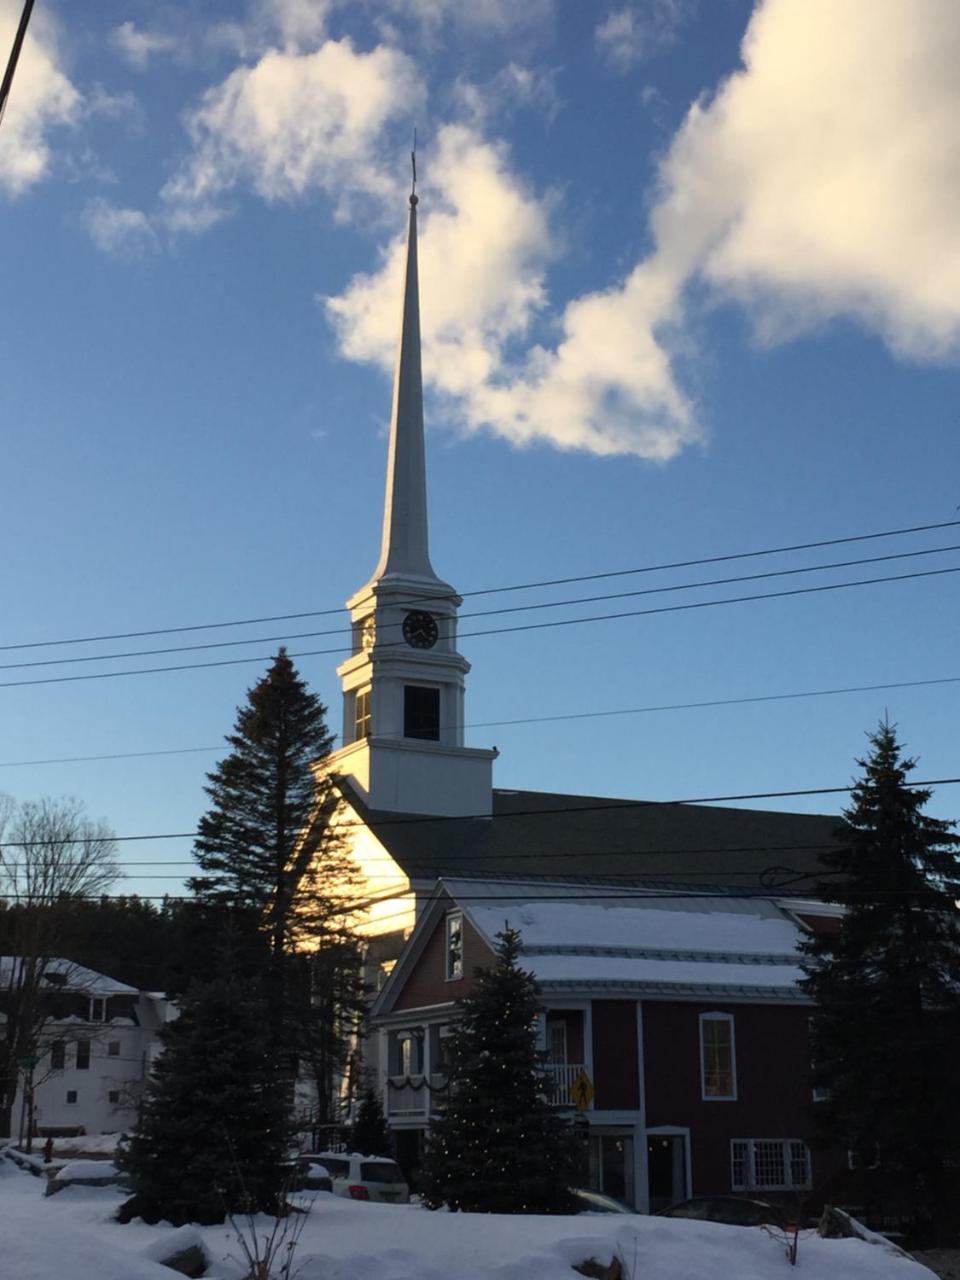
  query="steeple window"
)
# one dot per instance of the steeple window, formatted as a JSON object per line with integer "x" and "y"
{"x": 361, "y": 715}
{"x": 421, "y": 712}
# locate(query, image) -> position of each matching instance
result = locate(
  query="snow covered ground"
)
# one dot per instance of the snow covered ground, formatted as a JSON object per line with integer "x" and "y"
{"x": 71, "y": 1236}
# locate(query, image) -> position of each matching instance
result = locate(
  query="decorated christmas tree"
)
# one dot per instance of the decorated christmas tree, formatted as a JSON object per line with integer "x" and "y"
{"x": 498, "y": 1147}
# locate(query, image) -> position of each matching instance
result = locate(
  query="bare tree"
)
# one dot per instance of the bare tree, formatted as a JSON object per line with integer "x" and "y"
{"x": 51, "y": 855}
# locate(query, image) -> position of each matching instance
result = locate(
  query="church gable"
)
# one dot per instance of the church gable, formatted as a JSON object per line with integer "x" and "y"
{"x": 444, "y": 970}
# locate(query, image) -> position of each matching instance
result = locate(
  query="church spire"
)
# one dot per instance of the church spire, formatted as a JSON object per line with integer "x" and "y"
{"x": 404, "y": 550}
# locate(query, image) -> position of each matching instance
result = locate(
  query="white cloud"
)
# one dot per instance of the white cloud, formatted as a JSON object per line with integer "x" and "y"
{"x": 514, "y": 85}
{"x": 115, "y": 230}
{"x": 138, "y": 47}
{"x": 820, "y": 181}
{"x": 294, "y": 122}
{"x": 484, "y": 247}
{"x": 41, "y": 99}
{"x": 636, "y": 32}
{"x": 823, "y": 180}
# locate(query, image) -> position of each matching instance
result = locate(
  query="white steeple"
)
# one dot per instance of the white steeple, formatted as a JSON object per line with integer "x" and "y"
{"x": 403, "y": 685}
{"x": 404, "y": 549}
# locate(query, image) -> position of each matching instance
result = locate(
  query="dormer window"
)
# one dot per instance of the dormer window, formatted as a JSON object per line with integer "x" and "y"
{"x": 453, "y": 965}
{"x": 98, "y": 1009}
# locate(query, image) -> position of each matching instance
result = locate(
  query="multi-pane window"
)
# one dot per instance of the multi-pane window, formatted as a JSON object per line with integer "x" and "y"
{"x": 113, "y": 1096}
{"x": 361, "y": 718}
{"x": 421, "y": 712}
{"x": 113, "y": 1048}
{"x": 98, "y": 1009}
{"x": 718, "y": 1067}
{"x": 71, "y": 1096}
{"x": 769, "y": 1164}
{"x": 58, "y": 1055}
{"x": 409, "y": 1054}
{"x": 556, "y": 1040}
{"x": 83, "y": 1055}
{"x": 453, "y": 964}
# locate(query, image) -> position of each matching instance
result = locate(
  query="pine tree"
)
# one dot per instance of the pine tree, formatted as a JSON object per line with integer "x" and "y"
{"x": 265, "y": 798}
{"x": 210, "y": 1138}
{"x": 886, "y": 1030}
{"x": 267, "y": 850}
{"x": 370, "y": 1135}
{"x": 498, "y": 1147}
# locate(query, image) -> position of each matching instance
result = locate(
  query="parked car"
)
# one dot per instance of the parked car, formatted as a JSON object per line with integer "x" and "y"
{"x": 736, "y": 1211}
{"x": 596, "y": 1202}
{"x": 358, "y": 1177}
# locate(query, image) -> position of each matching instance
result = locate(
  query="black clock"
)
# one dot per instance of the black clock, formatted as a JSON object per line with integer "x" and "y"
{"x": 420, "y": 630}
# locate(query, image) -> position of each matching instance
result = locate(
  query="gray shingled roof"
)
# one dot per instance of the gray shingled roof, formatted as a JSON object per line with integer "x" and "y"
{"x": 538, "y": 833}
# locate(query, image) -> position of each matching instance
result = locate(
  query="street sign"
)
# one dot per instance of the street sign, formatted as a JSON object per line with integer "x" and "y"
{"x": 582, "y": 1091}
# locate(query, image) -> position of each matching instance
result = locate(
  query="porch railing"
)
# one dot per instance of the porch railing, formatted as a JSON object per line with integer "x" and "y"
{"x": 560, "y": 1076}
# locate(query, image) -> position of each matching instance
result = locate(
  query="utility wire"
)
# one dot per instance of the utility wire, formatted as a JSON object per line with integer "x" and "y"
{"x": 523, "y": 720}
{"x": 529, "y": 626}
{"x": 519, "y": 586}
{"x": 396, "y": 627}
{"x": 379, "y": 823}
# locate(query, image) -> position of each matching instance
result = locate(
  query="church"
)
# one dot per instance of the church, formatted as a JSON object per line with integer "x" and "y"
{"x": 665, "y": 951}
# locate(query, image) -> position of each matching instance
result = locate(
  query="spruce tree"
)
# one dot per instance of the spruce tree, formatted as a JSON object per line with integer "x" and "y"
{"x": 498, "y": 1147}
{"x": 886, "y": 1029}
{"x": 267, "y": 850}
{"x": 370, "y": 1134}
{"x": 211, "y": 1134}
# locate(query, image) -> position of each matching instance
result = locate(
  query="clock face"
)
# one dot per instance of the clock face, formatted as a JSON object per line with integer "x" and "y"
{"x": 368, "y": 633}
{"x": 420, "y": 630}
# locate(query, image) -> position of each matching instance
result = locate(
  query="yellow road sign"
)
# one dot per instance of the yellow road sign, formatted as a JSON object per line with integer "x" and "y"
{"x": 582, "y": 1091}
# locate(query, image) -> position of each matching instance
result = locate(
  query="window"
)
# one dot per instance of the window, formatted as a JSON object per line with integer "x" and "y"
{"x": 83, "y": 1055}
{"x": 442, "y": 1063}
{"x": 556, "y": 1040}
{"x": 421, "y": 712}
{"x": 71, "y": 1096}
{"x": 98, "y": 1009}
{"x": 769, "y": 1164}
{"x": 718, "y": 1067}
{"x": 454, "y": 950}
{"x": 409, "y": 1054}
{"x": 113, "y": 1048}
{"x": 58, "y": 1055}
{"x": 361, "y": 715}
{"x": 113, "y": 1096}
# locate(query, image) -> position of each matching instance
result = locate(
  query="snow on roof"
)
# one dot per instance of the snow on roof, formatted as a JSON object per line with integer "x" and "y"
{"x": 69, "y": 976}
{"x": 597, "y": 935}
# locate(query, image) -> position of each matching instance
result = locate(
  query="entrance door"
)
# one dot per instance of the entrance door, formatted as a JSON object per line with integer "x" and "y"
{"x": 666, "y": 1169}
{"x": 611, "y": 1165}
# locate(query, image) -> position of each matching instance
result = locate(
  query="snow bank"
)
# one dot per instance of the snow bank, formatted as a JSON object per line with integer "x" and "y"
{"x": 74, "y": 1236}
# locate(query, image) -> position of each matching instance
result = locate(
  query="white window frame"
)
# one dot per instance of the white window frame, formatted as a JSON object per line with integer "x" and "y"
{"x": 718, "y": 1097}
{"x": 790, "y": 1150}
{"x": 452, "y": 972}
{"x": 98, "y": 1005}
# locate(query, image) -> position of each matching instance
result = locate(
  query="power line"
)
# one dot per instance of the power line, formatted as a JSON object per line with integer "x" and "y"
{"x": 520, "y": 586}
{"x": 396, "y": 627}
{"x": 523, "y": 720}
{"x": 520, "y": 627}
{"x": 590, "y": 807}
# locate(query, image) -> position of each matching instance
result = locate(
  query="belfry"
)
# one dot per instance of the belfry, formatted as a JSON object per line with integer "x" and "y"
{"x": 403, "y": 684}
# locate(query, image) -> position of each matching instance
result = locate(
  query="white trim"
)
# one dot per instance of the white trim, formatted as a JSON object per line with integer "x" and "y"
{"x": 641, "y": 1180}
{"x": 750, "y": 1181}
{"x": 713, "y": 1016}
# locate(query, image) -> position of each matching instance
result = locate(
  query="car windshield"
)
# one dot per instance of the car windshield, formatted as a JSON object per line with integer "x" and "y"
{"x": 381, "y": 1171}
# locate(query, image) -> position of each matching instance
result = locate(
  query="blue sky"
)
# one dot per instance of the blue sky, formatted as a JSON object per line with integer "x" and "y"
{"x": 690, "y": 280}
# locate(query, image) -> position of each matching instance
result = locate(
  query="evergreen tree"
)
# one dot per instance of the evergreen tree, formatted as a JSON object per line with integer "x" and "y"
{"x": 886, "y": 1030}
{"x": 370, "y": 1135}
{"x": 498, "y": 1147}
{"x": 266, "y": 798}
{"x": 267, "y": 850}
{"x": 211, "y": 1135}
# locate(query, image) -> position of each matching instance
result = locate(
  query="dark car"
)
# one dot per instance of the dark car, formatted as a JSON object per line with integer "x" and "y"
{"x": 733, "y": 1210}
{"x": 597, "y": 1202}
